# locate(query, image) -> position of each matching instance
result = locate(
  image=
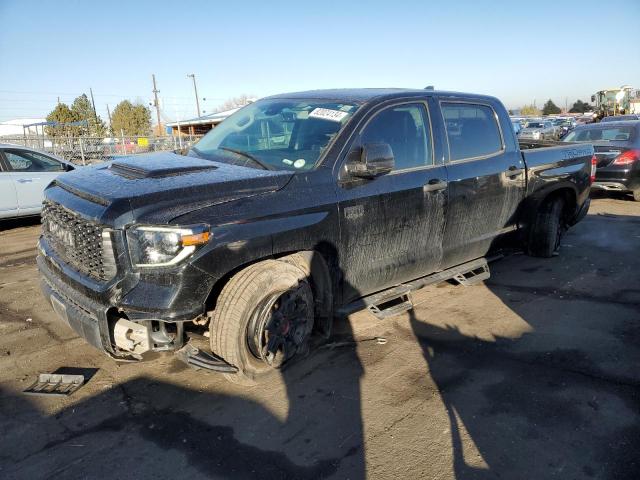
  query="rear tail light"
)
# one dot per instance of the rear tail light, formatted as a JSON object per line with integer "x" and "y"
{"x": 594, "y": 162}
{"x": 627, "y": 158}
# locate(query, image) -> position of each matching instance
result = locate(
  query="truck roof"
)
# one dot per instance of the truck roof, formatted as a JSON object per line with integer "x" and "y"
{"x": 364, "y": 95}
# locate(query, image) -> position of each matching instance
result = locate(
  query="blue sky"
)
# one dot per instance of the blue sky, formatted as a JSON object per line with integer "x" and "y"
{"x": 517, "y": 50}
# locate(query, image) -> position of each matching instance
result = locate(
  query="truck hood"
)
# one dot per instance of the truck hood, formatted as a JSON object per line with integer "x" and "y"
{"x": 158, "y": 187}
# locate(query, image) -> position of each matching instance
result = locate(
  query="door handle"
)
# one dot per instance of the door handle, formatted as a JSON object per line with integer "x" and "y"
{"x": 24, "y": 180}
{"x": 514, "y": 171}
{"x": 434, "y": 185}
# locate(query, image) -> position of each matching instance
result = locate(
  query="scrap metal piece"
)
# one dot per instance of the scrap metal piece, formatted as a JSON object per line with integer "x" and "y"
{"x": 196, "y": 358}
{"x": 55, "y": 384}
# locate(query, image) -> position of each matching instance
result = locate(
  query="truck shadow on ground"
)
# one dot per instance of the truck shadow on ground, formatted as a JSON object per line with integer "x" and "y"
{"x": 547, "y": 404}
{"x": 215, "y": 435}
{"x": 303, "y": 422}
{"x": 561, "y": 400}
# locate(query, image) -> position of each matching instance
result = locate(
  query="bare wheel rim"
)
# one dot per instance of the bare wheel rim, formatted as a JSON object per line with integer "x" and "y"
{"x": 278, "y": 326}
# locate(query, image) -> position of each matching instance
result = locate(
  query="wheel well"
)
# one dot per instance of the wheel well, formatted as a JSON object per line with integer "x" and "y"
{"x": 569, "y": 197}
{"x": 313, "y": 264}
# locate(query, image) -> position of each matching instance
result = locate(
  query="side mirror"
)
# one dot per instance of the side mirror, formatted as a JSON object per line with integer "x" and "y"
{"x": 375, "y": 159}
{"x": 593, "y": 98}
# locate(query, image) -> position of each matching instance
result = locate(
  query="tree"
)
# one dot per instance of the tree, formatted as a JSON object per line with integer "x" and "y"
{"x": 550, "y": 108}
{"x": 83, "y": 109}
{"x": 235, "y": 102}
{"x": 61, "y": 114}
{"x": 132, "y": 119}
{"x": 580, "y": 107}
{"x": 529, "y": 110}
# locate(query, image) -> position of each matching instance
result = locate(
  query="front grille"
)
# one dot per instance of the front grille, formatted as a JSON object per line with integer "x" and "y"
{"x": 83, "y": 245}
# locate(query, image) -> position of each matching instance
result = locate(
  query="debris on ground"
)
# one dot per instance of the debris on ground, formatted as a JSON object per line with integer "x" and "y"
{"x": 55, "y": 384}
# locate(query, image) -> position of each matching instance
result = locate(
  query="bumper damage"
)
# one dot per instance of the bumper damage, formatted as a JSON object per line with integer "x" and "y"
{"x": 108, "y": 329}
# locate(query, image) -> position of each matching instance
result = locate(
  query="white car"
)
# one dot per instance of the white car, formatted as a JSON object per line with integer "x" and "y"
{"x": 24, "y": 174}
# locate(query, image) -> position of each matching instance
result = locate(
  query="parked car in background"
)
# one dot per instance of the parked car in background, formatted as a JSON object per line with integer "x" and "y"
{"x": 539, "y": 130}
{"x": 566, "y": 125}
{"x": 517, "y": 126}
{"x": 585, "y": 119}
{"x": 617, "y": 147}
{"x": 24, "y": 174}
{"x": 618, "y": 118}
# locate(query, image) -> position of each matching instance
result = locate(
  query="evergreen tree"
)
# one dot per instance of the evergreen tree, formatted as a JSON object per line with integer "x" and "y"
{"x": 550, "y": 108}
{"x": 132, "y": 119}
{"x": 83, "y": 109}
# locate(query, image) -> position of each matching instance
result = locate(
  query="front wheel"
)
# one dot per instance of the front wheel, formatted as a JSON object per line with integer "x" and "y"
{"x": 547, "y": 229}
{"x": 263, "y": 318}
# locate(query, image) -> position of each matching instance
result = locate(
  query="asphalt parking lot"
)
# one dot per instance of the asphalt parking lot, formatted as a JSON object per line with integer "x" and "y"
{"x": 533, "y": 374}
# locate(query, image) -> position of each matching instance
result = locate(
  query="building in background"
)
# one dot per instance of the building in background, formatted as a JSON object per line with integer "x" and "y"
{"x": 15, "y": 128}
{"x": 199, "y": 125}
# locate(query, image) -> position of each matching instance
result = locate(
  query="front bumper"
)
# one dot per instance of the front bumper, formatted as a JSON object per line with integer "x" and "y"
{"x": 84, "y": 315}
{"x": 92, "y": 309}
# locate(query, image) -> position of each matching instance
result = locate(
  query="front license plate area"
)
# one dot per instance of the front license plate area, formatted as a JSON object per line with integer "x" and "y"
{"x": 60, "y": 308}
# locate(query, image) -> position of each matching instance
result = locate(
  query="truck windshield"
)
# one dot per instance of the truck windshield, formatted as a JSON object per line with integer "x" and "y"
{"x": 278, "y": 134}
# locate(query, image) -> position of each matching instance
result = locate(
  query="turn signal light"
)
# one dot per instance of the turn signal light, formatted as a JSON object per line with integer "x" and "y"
{"x": 627, "y": 158}
{"x": 195, "y": 239}
{"x": 594, "y": 163}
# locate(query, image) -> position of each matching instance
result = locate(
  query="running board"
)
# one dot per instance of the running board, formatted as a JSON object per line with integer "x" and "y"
{"x": 397, "y": 300}
{"x": 473, "y": 277}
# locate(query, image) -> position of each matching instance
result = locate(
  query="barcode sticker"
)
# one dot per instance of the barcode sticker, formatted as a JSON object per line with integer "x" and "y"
{"x": 328, "y": 114}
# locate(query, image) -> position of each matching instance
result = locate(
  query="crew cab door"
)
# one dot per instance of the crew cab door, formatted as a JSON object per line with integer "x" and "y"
{"x": 486, "y": 180}
{"x": 391, "y": 226}
{"x": 31, "y": 172}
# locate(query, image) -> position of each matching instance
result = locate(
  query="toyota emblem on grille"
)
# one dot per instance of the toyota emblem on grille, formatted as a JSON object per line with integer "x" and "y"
{"x": 62, "y": 235}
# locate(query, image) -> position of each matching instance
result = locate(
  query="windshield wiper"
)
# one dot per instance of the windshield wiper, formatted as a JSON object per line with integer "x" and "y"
{"x": 247, "y": 155}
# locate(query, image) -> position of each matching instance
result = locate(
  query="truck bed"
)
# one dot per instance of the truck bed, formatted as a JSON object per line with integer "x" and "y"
{"x": 548, "y": 160}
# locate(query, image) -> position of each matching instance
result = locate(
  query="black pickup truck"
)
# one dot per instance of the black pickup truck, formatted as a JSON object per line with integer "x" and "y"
{"x": 296, "y": 209}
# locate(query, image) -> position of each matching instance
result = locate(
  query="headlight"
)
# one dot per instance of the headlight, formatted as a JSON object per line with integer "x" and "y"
{"x": 151, "y": 246}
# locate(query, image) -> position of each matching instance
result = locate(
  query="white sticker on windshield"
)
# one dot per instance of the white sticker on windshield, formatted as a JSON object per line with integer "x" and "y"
{"x": 328, "y": 114}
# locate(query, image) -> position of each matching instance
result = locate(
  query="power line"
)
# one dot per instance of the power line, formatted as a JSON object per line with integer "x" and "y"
{"x": 74, "y": 95}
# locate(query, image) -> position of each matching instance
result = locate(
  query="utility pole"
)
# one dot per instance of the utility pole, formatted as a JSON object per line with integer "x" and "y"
{"x": 109, "y": 115}
{"x": 156, "y": 103}
{"x": 195, "y": 89}
{"x": 95, "y": 114}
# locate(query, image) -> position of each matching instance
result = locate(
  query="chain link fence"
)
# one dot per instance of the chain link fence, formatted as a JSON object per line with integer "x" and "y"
{"x": 87, "y": 150}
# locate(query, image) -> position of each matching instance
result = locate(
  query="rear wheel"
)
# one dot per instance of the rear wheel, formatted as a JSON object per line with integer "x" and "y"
{"x": 264, "y": 318}
{"x": 547, "y": 229}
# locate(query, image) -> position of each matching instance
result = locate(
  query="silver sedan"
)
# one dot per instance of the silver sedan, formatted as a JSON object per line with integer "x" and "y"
{"x": 539, "y": 130}
{"x": 24, "y": 174}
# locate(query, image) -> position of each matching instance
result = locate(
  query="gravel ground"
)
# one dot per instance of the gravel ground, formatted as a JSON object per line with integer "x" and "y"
{"x": 533, "y": 374}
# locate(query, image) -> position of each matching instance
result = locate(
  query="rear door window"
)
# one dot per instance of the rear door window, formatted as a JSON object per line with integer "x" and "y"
{"x": 472, "y": 130}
